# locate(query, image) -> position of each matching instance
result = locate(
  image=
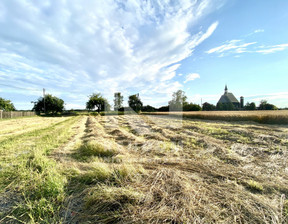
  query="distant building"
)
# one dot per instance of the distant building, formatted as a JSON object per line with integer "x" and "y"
{"x": 228, "y": 99}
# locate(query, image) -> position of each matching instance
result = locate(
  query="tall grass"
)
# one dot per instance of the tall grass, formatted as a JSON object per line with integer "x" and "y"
{"x": 265, "y": 117}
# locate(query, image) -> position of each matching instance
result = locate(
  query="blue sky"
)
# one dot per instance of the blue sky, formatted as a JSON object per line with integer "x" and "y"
{"x": 74, "y": 48}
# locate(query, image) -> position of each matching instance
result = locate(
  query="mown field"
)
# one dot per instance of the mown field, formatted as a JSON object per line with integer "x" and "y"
{"x": 142, "y": 169}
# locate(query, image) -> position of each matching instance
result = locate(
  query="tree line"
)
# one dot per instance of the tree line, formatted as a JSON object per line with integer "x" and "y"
{"x": 264, "y": 105}
{"x": 96, "y": 102}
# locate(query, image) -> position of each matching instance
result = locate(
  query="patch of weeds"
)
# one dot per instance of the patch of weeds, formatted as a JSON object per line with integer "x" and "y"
{"x": 191, "y": 143}
{"x": 254, "y": 186}
{"x": 217, "y": 132}
{"x": 169, "y": 146}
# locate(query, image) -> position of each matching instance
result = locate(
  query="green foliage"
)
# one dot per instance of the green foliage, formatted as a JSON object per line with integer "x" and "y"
{"x": 148, "y": 108}
{"x": 53, "y": 105}
{"x": 191, "y": 107}
{"x": 118, "y": 101}
{"x": 208, "y": 107}
{"x": 225, "y": 106}
{"x": 264, "y": 105}
{"x": 6, "y": 105}
{"x": 96, "y": 100}
{"x": 250, "y": 106}
{"x": 135, "y": 102}
{"x": 164, "y": 108}
{"x": 178, "y": 101}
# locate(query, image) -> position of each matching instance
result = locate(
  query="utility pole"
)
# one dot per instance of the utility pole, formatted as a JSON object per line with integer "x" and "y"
{"x": 44, "y": 100}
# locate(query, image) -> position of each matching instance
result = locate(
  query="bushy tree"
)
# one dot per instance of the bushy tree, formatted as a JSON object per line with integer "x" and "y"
{"x": 53, "y": 105}
{"x": 191, "y": 107}
{"x": 148, "y": 108}
{"x": 163, "y": 108}
{"x": 6, "y": 105}
{"x": 135, "y": 103}
{"x": 178, "y": 101}
{"x": 225, "y": 106}
{"x": 98, "y": 102}
{"x": 118, "y": 101}
{"x": 219, "y": 106}
{"x": 208, "y": 107}
{"x": 264, "y": 105}
{"x": 250, "y": 106}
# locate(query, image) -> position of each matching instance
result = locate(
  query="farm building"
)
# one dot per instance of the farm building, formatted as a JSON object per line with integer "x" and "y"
{"x": 229, "y": 98}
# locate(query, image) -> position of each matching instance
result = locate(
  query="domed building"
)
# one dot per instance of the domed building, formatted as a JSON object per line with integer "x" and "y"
{"x": 228, "y": 99}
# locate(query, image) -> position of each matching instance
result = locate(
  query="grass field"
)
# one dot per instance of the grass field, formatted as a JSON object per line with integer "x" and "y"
{"x": 142, "y": 169}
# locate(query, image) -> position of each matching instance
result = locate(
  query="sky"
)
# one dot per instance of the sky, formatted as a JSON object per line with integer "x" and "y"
{"x": 152, "y": 47}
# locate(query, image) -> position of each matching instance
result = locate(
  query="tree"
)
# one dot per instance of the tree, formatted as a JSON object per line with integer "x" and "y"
{"x": 135, "y": 103}
{"x": 6, "y": 105}
{"x": 96, "y": 100}
{"x": 163, "y": 108}
{"x": 225, "y": 106}
{"x": 250, "y": 106}
{"x": 228, "y": 106}
{"x": 208, "y": 107}
{"x": 148, "y": 108}
{"x": 191, "y": 107}
{"x": 178, "y": 101}
{"x": 264, "y": 105}
{"x": 219, "y": 106}
{"x": 53, "y": 105}
{"x": 118, "y": 101}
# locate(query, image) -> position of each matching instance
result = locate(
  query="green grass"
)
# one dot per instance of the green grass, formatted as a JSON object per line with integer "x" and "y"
{"x": 33, "y": 177}
{"x": 115, "y": 174}
{"x": 255, "y": 187}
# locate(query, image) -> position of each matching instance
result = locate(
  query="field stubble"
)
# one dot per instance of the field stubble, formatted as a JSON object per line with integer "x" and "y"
{"x": 160, "y": 169}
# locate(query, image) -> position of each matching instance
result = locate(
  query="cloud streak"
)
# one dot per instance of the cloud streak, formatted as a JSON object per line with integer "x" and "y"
{"x": 99, "y": 46}
{"x": 191, "y": 77}
{"x": 236, "y": 47}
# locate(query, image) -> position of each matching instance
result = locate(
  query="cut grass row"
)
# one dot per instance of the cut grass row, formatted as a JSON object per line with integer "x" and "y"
{"x": 104, "y": 188}
{"x": 31, "y": 176}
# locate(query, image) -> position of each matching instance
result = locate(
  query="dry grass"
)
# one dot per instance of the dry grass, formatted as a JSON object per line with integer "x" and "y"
{"x": 265, "y": 117}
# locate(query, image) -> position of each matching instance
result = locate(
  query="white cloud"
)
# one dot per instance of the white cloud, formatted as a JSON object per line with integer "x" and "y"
{"x": 259, "y": 31}
{"x": 240, "y": 47}
{"x": 191, "y": 77}
{"x": 99, "y": 46}
{"x": 272, "y": 49}
{"x": 231, "y": 46}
